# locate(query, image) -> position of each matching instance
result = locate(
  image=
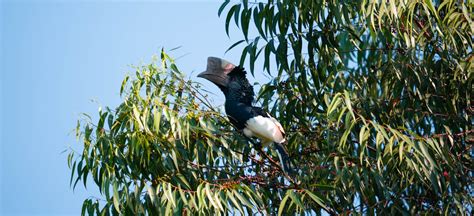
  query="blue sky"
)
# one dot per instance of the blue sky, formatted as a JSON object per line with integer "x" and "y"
{"x": 58, "y": 56}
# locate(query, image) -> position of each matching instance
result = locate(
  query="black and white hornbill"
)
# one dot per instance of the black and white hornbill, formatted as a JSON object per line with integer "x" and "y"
{"x": 239, "y": 96}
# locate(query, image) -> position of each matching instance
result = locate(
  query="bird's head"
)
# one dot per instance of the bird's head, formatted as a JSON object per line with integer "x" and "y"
{"x": 217, "y": 72}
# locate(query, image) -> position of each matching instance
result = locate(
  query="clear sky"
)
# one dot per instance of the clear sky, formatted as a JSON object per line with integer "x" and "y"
{"x": 57, "y": 56}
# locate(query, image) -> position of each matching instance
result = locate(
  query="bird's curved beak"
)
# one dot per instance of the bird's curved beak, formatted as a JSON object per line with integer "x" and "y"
{"x": 218, "y": 79}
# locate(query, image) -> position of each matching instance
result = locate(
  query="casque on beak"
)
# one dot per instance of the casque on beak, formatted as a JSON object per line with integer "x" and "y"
{"x": 217, "y": 70}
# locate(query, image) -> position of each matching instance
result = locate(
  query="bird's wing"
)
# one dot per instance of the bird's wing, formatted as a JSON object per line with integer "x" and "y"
{"x": 265, "y": 129}
{"x": 264, "y": 126}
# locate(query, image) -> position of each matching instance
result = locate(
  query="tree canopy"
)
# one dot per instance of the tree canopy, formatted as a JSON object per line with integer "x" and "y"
{"x": 375, "y": 96}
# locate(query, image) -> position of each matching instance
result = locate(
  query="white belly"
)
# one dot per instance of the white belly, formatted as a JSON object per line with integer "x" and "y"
{"x": 267, "y": 129}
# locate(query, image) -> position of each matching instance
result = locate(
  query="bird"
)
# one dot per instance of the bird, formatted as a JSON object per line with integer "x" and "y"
{"x": 239, "y": 97}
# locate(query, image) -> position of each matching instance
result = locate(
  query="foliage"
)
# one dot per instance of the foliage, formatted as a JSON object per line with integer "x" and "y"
{"x": 376, "y": 98}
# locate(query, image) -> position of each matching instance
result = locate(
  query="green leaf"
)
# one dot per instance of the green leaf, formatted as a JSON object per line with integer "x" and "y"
{"x": 296, "y": 199}
{"x": 151, "y": 194}
{"x": 244, "y": 55}
{"x": 116, "y": 198}
{"x": 237, "y": 14}
{"x": 218, "y": 201}
{"x": 72, "y": 173}
{"x": 316, "y": 199}
{"x": 349, "y": 104}
{"x": 230, "y": 195}
{"x": 85, "y": 205}
{"x": 124, "y": 82}
{"x": 183, "y": 197}
{"x": 221, "y": 8}
{"x": 258, "y": 21}
{"x": 234, "y": 45}
{"x": 174, "y": 68}
{"x": 242, "y": 199}
{"x": 283, "y": 203}
{"x": 208, "y": 192}
{"x": 169, "y": 193}
{"x": 334, "y": 104}
{"x": 229, "y": 16}
{"x": 401, "y": 150}
{"x": 156, "y": 120}
{"x": 245, "y": 20}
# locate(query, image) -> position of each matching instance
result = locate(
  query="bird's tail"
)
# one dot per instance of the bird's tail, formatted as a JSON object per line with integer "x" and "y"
{"x": 284, "y": 158}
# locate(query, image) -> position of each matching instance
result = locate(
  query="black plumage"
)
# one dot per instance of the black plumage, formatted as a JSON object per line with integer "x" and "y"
{"x": 239, "y": 97}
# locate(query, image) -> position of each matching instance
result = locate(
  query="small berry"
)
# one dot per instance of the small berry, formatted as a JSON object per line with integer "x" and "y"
{"x": 445, "y": 174}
